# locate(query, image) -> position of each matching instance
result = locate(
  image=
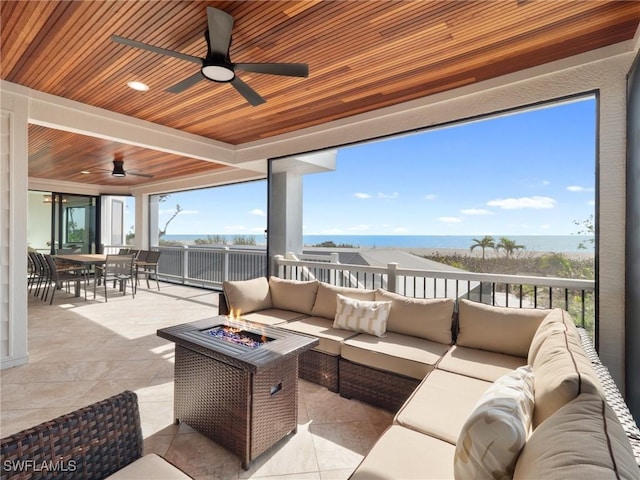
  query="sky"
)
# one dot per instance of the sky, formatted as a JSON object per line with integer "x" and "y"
{"x": 528, "y": 173}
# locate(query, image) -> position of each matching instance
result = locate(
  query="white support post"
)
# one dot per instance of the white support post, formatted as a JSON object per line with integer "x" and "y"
{"x": 225, "y": 264}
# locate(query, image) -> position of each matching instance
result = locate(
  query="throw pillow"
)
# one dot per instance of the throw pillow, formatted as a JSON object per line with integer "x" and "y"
{"x": 497, "y": 429}
{"x": 361, "y": 315}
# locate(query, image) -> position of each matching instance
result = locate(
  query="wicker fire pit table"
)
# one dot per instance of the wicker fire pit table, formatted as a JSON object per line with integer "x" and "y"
{"x": 236, "y": 382}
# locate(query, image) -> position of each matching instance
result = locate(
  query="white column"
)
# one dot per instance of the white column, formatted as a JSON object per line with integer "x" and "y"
{"x": 285, "y": 213}
{"x": 13, "y": 230}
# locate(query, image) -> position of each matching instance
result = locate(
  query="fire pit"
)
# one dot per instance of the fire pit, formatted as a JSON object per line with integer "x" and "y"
{"x": 237, "y": 383}
{"x": 238, "y": 336}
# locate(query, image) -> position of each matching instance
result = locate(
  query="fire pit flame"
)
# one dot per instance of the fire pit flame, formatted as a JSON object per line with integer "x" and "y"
{"x": 238, "y": 336}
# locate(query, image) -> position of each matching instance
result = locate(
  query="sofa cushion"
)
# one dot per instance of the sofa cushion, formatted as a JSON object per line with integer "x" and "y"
{"x": 402, "y": 354}
{"x": 272, "y": 316}
{"x": 481, "y": 364}
{"x": 330, "y": 338}
{"x": 441, "y": 404}
{"x": 557, "y": 319}
{"x": 497, "y": 329}
{"x": 582, "y": 440}
{"x": 401, "y": 453}
{"x": 326, "y": 301}
{"x": 363, "y": 316}
{"x": 246, "y": 296}
{"x": 562, "y": 371}
{"x": 497, "y": 429}
{"x": 149, "y": 466}
{"x": 424, "y": 318}
{"x": 293, "y": 295}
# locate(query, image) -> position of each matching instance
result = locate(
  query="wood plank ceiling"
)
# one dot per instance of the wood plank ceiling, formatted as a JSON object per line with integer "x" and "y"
{"x": 362, "y": 56}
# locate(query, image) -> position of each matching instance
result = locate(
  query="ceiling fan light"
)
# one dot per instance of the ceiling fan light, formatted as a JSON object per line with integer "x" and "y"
{"x": 218, "y": 73}
{"x": 118, "y": 169}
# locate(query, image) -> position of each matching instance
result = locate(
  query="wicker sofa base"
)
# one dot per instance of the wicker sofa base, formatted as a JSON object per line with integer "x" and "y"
{"x": 320, "y": 368}
{"x": 383, "y": 389}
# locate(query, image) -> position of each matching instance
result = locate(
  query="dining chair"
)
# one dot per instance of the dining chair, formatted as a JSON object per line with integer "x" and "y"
{"x": 118, "y": 269}
{"x": 147, "y": 264}
{"x": 58, "y": 276}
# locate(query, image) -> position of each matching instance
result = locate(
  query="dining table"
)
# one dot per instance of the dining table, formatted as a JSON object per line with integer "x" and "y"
{"x": 86, "y": 260}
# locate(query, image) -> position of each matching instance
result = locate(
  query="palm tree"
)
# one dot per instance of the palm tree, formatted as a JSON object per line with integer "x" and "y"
{"x": 486, "y": 242}
{"x": 509, "y": 246}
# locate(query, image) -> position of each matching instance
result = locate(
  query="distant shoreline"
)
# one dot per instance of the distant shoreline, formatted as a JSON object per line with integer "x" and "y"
{"x": 489, "y": 253}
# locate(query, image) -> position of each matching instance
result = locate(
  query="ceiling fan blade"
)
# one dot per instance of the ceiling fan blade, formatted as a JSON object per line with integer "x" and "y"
{"x": 145, "y": 175}
{"x": 151, "y": 48}
{"x": 247, "y": 92}
{"x": 186, "y": 83}
{"x": 220, "y": 25}
{"x": 288, "y": 69}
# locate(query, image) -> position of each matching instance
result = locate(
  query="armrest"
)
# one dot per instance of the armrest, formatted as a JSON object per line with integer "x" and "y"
{"x": 92, "y": 442}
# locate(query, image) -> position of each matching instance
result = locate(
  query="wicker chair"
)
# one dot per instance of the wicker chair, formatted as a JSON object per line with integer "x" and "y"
{"x": 92, "y": 442}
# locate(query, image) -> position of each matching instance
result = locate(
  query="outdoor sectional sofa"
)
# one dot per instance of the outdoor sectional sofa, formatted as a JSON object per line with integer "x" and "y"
{"x": 489, "y": 392}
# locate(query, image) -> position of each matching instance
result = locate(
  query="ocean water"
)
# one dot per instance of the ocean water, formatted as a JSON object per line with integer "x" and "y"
{"x": 532, "y": 243}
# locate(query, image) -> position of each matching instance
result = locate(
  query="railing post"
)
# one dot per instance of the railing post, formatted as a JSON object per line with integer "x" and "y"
{"x": 335, "y": 258}
{"x": 276, "y": 267}
{"x": 225, "y": 264}
{"x": 392, "y": 269}
{"x": 185, "y": 264}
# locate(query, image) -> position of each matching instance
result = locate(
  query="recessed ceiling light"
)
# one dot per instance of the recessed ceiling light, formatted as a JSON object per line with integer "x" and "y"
{"x": 141, "y": 87}
{"x": 85, "y": 172}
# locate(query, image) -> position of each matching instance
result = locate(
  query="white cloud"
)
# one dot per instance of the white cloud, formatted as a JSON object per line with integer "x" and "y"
{"x": 546, "y": 226}
{"x": 546, "y": 182}
{"x": 259, "y": 212}
{"x": 578, "y": 188}
{"x": 386, "y": 195}
{"x": 450, "y": 219}
{"x": 591, "y": 203}
{"x": 332, "y": 231}
{"x": 235, "y": 228}
{"x": 400, "y": 230}
{"x": 476, "y": 211}
{"x": 362, "y": 196}
{"x": 523, "y": 202}
{"x": 431, "y": 196}
{"x": 359, "y": 228}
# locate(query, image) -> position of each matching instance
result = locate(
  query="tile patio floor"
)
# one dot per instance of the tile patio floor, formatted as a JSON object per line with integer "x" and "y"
{"x": 81, "y": 352}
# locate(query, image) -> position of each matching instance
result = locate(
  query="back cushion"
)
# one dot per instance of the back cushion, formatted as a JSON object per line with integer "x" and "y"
{"x": 425, "y": 318}
{"x": 246, "y": 296}
{"x": 325, "y": 305}
{"x": 497, "y": 329}
{"x": 561, "y": 372}
{"x": 293, "y": 295}
{"x": 557, "y": 319}
{"x": 583, "y": 439}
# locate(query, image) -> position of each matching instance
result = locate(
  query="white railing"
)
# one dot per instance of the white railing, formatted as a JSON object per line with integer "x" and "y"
{"x": 574, "y": 295}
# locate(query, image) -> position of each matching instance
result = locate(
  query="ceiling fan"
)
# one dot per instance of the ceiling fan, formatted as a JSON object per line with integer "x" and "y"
{"x": 118, "y": 169}
{"x": 217, "y": 65}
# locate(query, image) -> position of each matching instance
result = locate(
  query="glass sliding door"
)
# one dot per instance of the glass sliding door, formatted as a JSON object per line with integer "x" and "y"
{"x": 63, "y": 223}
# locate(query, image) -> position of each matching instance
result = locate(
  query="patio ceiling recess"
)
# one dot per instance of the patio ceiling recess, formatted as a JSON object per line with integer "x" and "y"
{"x": 362, "y": 56}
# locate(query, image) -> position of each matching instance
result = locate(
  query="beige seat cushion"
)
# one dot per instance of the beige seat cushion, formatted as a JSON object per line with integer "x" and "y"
{"x": 497, "y": 329}
{"x": 401, "y": 453}
{"x": 149, "y": 466}
{"x": 293, "y": 295}
{"x": 441, "y": 404}
{"x": 246, "y": 296}
{"x": 410, "y": 356}
{"x": 326, "y": 302}
{"x": 582, "y": 440}
{"x": 272, "y": 316}
{"x": 331, "y": 339}
{"x": 562, "y": 372}
{"x": 481, "y": 364}
{"x": 424, "y": 318}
